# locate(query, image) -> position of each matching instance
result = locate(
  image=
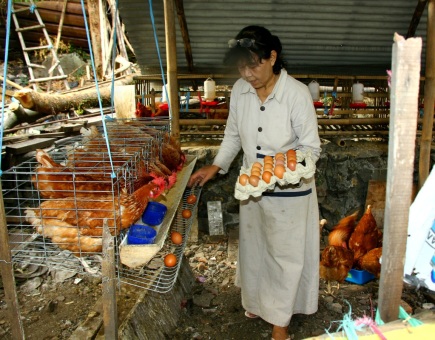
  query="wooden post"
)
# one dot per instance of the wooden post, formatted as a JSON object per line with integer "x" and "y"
{"x": 429, "y": 93}
{"x": 171, "y": 60}
{"x": 110, "y": 314}
{"x": 8, "y": 278}
{"x": 94, "y": 28}
{"x": 403, "y": 127}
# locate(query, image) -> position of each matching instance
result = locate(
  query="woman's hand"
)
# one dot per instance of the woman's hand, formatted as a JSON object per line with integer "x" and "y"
{"x": 203, "y": 175}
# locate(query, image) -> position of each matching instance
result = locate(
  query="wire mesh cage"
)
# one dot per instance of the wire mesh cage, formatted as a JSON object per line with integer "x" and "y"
{"x": 57, "y": 202}
{"x": 156, "y": 275}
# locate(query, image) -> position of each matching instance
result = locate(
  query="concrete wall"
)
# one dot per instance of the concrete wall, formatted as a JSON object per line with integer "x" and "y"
{"x": 342, "y": 177}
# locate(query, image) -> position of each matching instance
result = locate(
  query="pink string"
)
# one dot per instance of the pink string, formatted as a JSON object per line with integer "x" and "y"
{"x": 366, "y": 321}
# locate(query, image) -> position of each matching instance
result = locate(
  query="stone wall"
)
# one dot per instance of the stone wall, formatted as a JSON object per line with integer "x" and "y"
{"x": 343, "y": 173}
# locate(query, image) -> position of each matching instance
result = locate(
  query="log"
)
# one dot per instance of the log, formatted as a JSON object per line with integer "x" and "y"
{"x": 21, "y": 115}
{"x": 55, "y": 103}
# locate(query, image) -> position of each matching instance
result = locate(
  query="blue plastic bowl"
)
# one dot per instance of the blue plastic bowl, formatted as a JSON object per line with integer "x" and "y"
{"x": 154, "y": 213}
{"x": 141, "y": 234}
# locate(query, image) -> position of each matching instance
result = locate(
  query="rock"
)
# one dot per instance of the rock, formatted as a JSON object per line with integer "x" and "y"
{"x": 204, "y": 299}
{"x": 335, "y": 307}
{"x": 31, "y": 285}
{"x": 51, "y": 306}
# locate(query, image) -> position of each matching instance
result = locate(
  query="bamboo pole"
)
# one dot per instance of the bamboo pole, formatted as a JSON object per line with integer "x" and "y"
{"x": 8, "y": 278}
{"x": 429, "y": 93}
{"x": 171, "y": 60}
{"x": 403, "y": 127}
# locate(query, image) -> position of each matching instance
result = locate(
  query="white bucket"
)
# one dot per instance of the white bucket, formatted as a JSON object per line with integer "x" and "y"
{"x": 357, "y": 93}
{"x": 209, "y": 89}
{"x": 314, "y": 88}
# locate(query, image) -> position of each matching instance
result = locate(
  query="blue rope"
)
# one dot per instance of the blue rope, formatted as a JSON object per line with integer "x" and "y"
{"x": 112, "y": 90}
{"x": 5, "y": 75}
{"x": 160, "y": 58}
{"x": 98, "y": 89}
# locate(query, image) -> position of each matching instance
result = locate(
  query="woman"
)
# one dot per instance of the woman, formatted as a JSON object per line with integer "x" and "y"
{"x": 271, "y": 112}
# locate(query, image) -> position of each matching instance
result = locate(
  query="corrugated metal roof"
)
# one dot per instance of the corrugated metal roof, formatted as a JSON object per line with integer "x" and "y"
{"x": 318, "y": 36}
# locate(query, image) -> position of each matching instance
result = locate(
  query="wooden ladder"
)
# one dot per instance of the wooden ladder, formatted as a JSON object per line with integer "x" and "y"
{"x": 49, "y": 47}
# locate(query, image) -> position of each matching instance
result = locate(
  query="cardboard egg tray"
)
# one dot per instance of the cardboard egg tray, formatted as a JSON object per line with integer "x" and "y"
{"x": 305, "y": 170}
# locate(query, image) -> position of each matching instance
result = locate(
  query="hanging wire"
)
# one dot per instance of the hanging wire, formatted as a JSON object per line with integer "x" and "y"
{"x": 98, "y": 89}
{"x": 160, "y": 58}
{"x": 5, "y": 75}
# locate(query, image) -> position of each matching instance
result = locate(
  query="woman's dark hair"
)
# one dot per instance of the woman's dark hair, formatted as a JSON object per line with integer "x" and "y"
{"x": 263, "y": 44}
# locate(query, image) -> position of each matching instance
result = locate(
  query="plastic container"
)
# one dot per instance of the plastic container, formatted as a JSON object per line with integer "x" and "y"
{"x": 357, "y": 92}
{"x": 359, "y": 276}
{"x": 141, "y": 234}
{"x": 314, "y": 88}
{"x": 209, "y": 89}
{"x": 154, "y": 213}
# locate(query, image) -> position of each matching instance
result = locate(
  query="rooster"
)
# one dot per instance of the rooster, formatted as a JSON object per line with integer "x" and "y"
{"x": 335, "y": 263}
{"x": 366, "y": 235}
{"x": 77, "y": 224}
{"x": 370, "y": 261}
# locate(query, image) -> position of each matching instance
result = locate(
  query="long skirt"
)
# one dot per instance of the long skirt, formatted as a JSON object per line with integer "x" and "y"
{"x": 278, "y": 264}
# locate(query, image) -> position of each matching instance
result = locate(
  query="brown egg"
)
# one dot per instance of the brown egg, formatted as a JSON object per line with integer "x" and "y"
{"x": 267, "y": 175}
{"x": 257, "y": 165}
{"x": 279, "y": 161}
{"x": 291, "y": 158}
{"x": 268, "y": 166}
{"x": 279, "y": 155}
{"x": 170, "y": 260}
{"x": 191, "y": 199}
{"x": 291, "y": 152}
{"x": 279, "y": 171}
{"x": 186, "y": 213}
{"x": 291, "y": 164}
{"x": 176, "y": 237}
{"x": 268, "y": 159}
{"x": 256, "y": 172}
{"x": 253, "y": 180}
{"x": 243, "y": 179}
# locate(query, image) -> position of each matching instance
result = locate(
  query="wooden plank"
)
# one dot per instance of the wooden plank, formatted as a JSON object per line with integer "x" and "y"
{"x": 110, "y": 313}
{"x": 8, "y": 279}
{"x": 403, "y": 127}
{"x": 29, "y": 145}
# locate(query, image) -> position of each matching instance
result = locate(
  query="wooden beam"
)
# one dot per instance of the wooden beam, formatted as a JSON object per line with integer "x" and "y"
{"x": 8, "y": 278}
{"x": 171, "y": 60}
{"x": 185, "y": 34}
{"x": 429, "y": 93}
{"x": 419, "y": 9}
{"x": 403, "y": 126}
{"x": 94, "y": 28}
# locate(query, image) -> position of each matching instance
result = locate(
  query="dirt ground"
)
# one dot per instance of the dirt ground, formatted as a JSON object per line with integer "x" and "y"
{"x": 53, "y": 310}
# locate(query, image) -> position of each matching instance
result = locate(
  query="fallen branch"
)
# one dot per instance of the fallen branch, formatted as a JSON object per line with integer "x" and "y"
{"x": 56, "y": 103}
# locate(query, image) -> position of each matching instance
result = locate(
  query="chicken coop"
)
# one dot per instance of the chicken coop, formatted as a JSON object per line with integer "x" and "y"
{"x": 58, "y": 202}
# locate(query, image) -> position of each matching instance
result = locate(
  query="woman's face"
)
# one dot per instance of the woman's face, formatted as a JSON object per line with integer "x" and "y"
{"x": 259, "y": 73}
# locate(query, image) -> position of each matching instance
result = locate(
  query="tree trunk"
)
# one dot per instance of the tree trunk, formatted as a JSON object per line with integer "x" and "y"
{"x": 56, "y": 103}
{"x": 21, "y": 115}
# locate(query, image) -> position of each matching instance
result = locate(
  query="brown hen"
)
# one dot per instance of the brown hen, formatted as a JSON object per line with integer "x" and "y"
{"x": 76, "y": 224}
{"x": 371, "y": 261}
{"x": 340, "y": 234}
{"x": 335, "y": 263}
{"x": 366, "y": 235}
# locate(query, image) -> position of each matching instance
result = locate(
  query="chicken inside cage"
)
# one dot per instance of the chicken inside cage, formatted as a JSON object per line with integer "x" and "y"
{"x": 68, "y": 193}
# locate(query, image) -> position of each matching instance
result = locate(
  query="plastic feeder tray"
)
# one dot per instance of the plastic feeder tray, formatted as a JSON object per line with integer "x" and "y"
{"x": 154, "y": 213}
{"x": 359, "y": 276}
{"x": 141, "y": 234}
